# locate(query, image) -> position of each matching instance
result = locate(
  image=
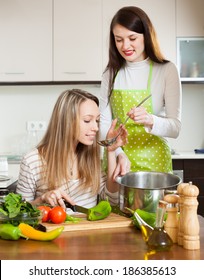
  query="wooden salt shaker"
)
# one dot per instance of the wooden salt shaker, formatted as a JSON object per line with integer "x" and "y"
{"x": 180, "y": 222}
{"x": 171, "y": 224}
{"x": 191, "y": 228}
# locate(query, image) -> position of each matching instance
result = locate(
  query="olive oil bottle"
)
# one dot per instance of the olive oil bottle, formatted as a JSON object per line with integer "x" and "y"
{"x": 159, "y": 240}
{"x": 145, "y": 228}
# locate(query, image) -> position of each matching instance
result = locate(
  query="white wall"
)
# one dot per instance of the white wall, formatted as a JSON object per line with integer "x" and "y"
{"x": 192, "y": 132}
{"x": 19, "y": 104}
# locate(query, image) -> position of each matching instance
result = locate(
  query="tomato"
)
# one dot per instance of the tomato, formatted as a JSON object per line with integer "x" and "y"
{"x": 57, "y": 215}
{"x": 45, "y": 212}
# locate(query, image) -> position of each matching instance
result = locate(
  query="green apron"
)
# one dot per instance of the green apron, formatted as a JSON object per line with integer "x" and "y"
{"x": 146, "y": 152}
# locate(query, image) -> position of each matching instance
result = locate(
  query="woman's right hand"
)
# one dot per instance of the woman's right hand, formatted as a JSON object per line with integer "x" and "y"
{"x": 121, "y": 139}
{"x": 56, "y": 197}
{"x": 140, "y": 116}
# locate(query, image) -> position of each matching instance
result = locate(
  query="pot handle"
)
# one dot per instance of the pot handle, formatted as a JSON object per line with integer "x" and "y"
{"x": 168, "y": 191}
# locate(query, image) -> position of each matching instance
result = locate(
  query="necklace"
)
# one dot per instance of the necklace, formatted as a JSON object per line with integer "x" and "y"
{"x": 71, "y": 171}
{"x": 72, "y": 166}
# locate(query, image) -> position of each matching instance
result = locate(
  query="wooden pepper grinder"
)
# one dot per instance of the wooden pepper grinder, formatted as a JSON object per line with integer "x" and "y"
{"x": 191, "y": 228}
{"x": 171, "y": 224}
{"x": 180, "y": 222}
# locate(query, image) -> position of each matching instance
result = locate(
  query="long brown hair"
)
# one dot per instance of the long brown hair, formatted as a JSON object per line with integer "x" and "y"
{"x": 58, "y": 144}
{"x": 134, "y": 19}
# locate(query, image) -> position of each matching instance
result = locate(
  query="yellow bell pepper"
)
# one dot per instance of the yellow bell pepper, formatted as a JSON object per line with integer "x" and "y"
{"x": 31, "y": 233}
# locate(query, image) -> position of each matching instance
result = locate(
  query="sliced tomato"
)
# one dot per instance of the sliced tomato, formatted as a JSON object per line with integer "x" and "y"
{"x": 57, "y": 215}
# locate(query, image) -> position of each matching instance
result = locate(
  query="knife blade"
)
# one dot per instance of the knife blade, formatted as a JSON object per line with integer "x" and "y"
{"x": 76, "y": 208}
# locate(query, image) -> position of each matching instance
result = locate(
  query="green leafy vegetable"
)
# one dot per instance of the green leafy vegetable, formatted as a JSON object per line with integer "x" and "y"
{"x": 14, "y": 205}
{"x": 15, "y": 209}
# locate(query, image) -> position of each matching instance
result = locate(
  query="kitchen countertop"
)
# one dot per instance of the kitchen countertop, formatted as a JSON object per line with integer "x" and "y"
{"x": 187, "y": 155}
{"x": 125, "y": 243}
{"x": 13, "y": 171}
{"x": 13, "y": 167}
{"x": 15, "y": 160}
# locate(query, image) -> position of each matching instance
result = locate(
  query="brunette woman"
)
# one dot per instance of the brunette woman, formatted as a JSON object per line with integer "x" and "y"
{"x": 137, "y": 68}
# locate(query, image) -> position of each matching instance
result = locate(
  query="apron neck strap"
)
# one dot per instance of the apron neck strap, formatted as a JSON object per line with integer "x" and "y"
{"x": 150, "y": 76}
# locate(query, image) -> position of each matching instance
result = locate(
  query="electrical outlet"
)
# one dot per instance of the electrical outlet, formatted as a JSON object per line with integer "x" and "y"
{"x": 36, "y": 125}
{"x": 42, "y": 125}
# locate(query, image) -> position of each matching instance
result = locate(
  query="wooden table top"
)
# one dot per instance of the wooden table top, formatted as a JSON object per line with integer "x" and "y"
{"x": 124, "y": 243}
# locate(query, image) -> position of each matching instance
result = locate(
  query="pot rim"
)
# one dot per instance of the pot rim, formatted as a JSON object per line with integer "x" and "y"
{"x": 119, "y": 179}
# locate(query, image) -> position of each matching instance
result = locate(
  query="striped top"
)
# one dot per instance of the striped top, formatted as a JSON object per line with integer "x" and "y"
{"x": 31, "y": 186}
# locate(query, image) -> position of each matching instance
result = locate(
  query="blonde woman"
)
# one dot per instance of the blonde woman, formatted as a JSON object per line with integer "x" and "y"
{"x": 65, "y": 165}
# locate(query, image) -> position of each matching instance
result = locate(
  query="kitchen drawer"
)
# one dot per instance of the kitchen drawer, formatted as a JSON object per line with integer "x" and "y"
{"x": 199, "y": 182}
{"x": 194, "y": 168}
{"x": 178, "y": 164}
{"x": 201, "y": 205}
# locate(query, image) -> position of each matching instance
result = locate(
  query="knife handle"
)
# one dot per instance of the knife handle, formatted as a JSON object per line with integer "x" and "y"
{"x": 69, "y": 205}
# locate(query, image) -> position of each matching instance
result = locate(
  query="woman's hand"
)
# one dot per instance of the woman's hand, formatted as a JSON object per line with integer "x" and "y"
{"x": 121, "y": 139}
{"x": 140, "y": 116}
{"x": 56, "y": 197}
{"x": 123, "y": 165}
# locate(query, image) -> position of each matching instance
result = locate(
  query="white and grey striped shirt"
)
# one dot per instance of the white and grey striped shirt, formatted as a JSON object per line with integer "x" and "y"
{"x": 30, "y": 185}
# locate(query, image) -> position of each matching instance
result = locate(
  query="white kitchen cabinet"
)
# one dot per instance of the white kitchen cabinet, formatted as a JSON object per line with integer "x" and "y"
{"x": 162, "y": 15}
{"x": 26, "y": 40}
{"x": 77, "y": 40}
{"x": 190, "y": 59}
{"x": 189, "y": 18}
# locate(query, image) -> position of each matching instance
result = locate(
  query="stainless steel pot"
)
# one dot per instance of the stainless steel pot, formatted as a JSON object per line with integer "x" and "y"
{"x": 143, "y": 189}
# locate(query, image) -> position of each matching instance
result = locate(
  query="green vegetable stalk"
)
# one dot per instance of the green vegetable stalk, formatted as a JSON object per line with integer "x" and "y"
{"x": 148, "y": 217}
{"x": 10, "y": 232}
{"x": 72, "y": 219}
{"x": 100, "y": 211}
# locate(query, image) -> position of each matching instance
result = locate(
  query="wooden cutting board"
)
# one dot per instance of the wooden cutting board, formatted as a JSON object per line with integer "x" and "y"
{"x": 112, "y": 221}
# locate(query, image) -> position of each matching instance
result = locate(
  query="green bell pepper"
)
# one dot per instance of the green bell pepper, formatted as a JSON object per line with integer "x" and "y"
{"x": 100, "y": 211}
{"x": 10, "y": 232}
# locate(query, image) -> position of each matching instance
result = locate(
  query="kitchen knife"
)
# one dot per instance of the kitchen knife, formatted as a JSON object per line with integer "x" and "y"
{"x": 76, "y": 208}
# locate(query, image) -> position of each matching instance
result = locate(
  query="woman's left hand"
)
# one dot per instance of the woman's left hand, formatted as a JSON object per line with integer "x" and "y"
{"x": 123, "y": 165}
{"x": 121, "y": 139}
{"x": 140, "y": 116}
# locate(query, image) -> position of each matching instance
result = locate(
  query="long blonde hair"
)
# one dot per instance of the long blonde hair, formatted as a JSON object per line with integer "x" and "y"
{"x": 58, "y": 144}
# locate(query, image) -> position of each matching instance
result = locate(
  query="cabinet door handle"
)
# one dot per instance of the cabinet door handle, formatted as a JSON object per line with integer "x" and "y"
{"x": 74, "y": 73}
{"x": 14, "y": 73}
